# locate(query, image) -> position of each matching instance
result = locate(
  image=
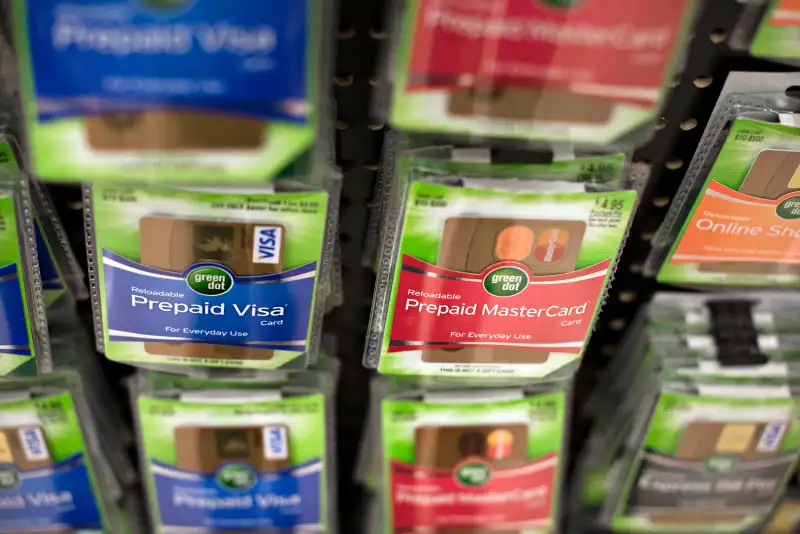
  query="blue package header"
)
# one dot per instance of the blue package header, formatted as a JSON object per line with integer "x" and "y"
{"x": 208, "y": 303}
{"x": 13, "y": 320}
{"x": 241, "y": 57}
{"x": 56, "y": 496}
{"x": 236, "y": 497}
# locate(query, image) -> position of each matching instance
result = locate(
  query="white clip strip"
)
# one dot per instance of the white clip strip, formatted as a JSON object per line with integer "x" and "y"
{"x": 471, "y": 155}
{"x": 472, "y": 396}
{"x": 744, "y": 391}
{"x": 789, "y": 119}
{"x": 230, "y": 396}
{"x": 532, "y": 186}
{"x": 13, "y": 396}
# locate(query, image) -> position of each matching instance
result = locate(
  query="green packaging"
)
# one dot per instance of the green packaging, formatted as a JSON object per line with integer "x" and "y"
{"x": 235, "y": 455}
{"x": 479, "y": 459}
{"x": 209, "y": 278}
{"x": 48, "y": 477}
{"x": 496, "y": 269}
{"x": 209, "y": 91}
{"x": 23, "y": 330}
{"x": 711, "y": 460}
{"x": 742, "y": 227}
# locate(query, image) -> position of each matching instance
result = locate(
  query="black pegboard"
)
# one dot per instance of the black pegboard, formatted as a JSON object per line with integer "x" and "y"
{"x": 360, "y": 33}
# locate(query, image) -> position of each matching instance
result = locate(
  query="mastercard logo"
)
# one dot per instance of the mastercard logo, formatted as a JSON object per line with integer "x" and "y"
{"x": 499, "y": 444}
{"x": 514, "y": 243}
{"x": 551, "y": 247}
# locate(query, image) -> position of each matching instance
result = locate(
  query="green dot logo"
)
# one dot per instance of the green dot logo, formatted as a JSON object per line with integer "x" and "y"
{"x": 473, "y": 474}
{"x": 789, "y": 208}
{"x": 209, "y": 281}
{"x": 720, "y": 464}
{"x": 9, "y": 478}
{"x": 505, "y": 281}
{"x": 236, "y": 477}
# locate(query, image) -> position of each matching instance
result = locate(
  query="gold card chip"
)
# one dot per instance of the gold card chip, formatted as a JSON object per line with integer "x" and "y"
{"x": 6, "y": 456}
{"x": 736, "y": 438}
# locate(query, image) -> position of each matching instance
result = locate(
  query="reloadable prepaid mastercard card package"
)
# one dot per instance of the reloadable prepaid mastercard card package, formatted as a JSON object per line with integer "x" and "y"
{"x": 589, "y": 72}
{"x": 485, "y": 460}
{"x": 496, "y": 268}
{"x": 209, "y": 278}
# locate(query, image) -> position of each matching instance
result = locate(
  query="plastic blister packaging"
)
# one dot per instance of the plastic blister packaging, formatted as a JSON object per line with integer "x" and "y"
{"x": 210, "y": 91}
{"x": 590, "y": 73}
{"x": 460, "y": 248}
{"x": 483, "y": 458}
{"x": 769, "y": 29}
{"x": 61, "y": 275}
{"x": 23, "y": 323}
{"x": 767, "y": 312}
{"x": 263, "y": 447}
{"x": 700, "y": 442}
{"x": 734, "y": 220}
{"x": 53, "y": 465}
{"x": 211, "y": 277}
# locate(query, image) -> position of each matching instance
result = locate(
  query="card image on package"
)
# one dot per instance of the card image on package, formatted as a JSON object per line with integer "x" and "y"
{"x": 774, "y": 173}
{"x": 471, "y": 244}
{"x": 173, "y": 130}
{"x": 248, "y": 249}
{"x": 207, "y": 448}
{"x": 445, "y": 447}
{"x": 25, "y": 447}
{"x": 524, "y": 103}
{"x": 742, "y": 440}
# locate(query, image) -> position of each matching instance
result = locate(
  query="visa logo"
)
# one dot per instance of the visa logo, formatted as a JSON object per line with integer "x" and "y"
{"x": 33, "y": 444}
{"x": 771, "y": 437}
{"x": 267, "y": 243}
{"x": 276, "y": 443}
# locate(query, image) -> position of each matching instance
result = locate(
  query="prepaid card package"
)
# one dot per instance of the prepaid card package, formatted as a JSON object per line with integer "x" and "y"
{"x": 744, "y": 226}
{"x": 254, "y": 461}
{"x": 497, "y": 268}
{"x": 47, "y": 482}
{"x": 21, "y": 304}
{"x": 711, "y": 462}
{"x": 489, "y": 461}
{"x": 168, "y": 89}
{"x": 187, "y": 277}
{"x": 593, "y": 71}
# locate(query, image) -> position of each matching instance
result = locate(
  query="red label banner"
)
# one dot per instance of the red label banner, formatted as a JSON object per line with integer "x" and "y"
{"x": 616, "y": 49}
{"x": 515, "y": 498}
{"x": 441, "y": 308}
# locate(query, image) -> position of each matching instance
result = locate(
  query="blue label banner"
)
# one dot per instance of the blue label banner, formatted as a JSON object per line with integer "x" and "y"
{"x": 94, "y": 56}
{"x": 281, "y": 499}
{"x": 51, "y": 279}
{"x": 13, "y": 320}
{"x": 146, "y": 304}
{"x": 58, "y": 496}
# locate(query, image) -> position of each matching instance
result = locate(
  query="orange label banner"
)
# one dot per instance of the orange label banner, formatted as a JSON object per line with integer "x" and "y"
{"x": 729, "y": 226}
{"x": 787, "y": 13}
